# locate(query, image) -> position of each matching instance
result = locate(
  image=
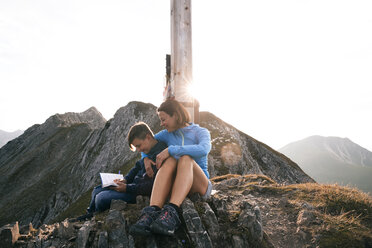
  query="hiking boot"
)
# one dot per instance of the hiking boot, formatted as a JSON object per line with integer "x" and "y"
{"x": 167, "y": 222}
{"x": 142, "y": 226}
{"x": 84, "y": 217}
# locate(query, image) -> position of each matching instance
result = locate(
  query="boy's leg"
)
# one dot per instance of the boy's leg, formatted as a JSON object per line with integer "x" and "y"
{"x": 92, "y": 205}
{"x": 163, "y": 182}
{"x": 103, "y": 199}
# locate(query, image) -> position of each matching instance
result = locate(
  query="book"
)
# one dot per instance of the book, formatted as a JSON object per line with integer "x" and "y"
{"x": 108, "y": 179}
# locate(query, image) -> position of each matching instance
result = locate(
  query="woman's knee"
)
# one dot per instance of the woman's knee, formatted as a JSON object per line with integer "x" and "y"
{"x": 185, "y": 159}
{"x": 186, "y": 162}
{"x": 169, "y": 165}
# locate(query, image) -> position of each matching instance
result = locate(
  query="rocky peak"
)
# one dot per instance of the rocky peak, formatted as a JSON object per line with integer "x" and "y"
{"x": 55, "y": 165}
{"x": 91, "y": 116}
{"x": 238, "y": 153}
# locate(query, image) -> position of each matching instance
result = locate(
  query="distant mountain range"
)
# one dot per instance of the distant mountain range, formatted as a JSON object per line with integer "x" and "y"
{"x": 333, "y": 160}
{"x": 8, "y": 136}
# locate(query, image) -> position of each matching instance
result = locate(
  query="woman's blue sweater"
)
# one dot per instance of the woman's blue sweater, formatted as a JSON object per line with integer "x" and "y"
{"x": 192, "y": 140}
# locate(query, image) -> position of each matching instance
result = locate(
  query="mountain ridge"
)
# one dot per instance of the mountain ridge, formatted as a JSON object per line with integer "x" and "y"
{"x": 55, "y": 163}
{"x": 5, "y": 136}
{"x": 332, "y": 160}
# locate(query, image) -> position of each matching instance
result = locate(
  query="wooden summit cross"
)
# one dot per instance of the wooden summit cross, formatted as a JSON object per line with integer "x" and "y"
{"x": 180, "y": 79}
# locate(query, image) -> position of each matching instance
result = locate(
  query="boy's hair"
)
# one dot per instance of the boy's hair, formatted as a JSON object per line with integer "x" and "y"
{"x": 139, "y": 131}
{"x": 173, "y": 107}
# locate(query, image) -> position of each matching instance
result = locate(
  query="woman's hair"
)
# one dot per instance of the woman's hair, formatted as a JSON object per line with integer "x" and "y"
{"x": 139, "y": 131}
{"x": 173, "y": 107}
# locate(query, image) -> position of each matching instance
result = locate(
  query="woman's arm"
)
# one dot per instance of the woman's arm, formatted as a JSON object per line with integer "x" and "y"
{"x": 202, "y": 148}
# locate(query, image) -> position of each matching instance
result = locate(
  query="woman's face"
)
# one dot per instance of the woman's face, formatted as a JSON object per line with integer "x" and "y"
{"x": 167, "y": 121}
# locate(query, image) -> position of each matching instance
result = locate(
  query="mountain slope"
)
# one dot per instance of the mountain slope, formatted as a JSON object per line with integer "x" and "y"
{"x": 52, "y": 168}
{"x": 7, "y": 136}
{"x": 333, "y": 160}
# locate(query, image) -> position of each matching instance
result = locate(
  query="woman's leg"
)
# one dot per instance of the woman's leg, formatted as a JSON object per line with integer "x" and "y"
{"x": 190, "y": 178}
{"x": 160, "y": 191}
{"x": 163, "y": 182}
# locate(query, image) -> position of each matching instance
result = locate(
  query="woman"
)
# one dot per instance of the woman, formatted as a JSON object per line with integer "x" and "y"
{"x": 182, "y": 170}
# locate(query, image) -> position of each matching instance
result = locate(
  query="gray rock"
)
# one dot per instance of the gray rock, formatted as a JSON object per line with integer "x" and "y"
{"x": 142, "y": 201}
{"x": 103, "y": 240}
{"x": 9, "y": 234}
{"x": 237, "y": 153}
{"x": 238, "y": 242}
{"x": 65, "y": 230}
{"x": 250, "y": 219}
{"x": 83, "y": 235}
{"x": 210, "y": 222}
{"x": 116, "y": 229}
{"x": 194, "y": 225}
{"x": 118, "y": 205}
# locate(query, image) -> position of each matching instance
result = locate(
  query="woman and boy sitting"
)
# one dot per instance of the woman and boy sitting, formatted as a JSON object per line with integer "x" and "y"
{"x": 173, "y": 166}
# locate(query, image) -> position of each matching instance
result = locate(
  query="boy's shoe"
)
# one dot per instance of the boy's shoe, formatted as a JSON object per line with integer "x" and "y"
{"x": 84, "y": 217}
{"x": 142, "y": 226}
{"x": 167, "y": 222}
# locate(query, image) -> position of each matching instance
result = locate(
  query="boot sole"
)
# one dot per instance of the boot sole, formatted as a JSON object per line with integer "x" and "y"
{"x": 155, "y": 228}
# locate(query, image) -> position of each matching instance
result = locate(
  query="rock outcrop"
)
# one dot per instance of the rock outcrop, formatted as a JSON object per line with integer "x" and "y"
{"x": 215, "y": 223}
{"x": 243, "y": 211}
{"x": 236, "y": 152}
{"x": 52, "y": 167}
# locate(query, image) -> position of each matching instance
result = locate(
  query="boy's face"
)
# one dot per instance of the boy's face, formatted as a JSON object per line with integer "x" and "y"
{"x": 142, "y": 145}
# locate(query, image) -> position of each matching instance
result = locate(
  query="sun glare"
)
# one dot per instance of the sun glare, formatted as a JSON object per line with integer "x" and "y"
{"x": 199, "y": 92}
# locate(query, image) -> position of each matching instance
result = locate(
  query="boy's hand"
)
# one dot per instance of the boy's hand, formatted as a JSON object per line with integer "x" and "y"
{"x": 161, "y": 157}
{"x": 149, "y": 171}
{"x": 120, "y": 181}
{"x": 122, "y": 187}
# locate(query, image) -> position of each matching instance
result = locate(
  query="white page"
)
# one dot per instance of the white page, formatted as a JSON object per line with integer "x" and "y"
{"x": 108, "y": 179}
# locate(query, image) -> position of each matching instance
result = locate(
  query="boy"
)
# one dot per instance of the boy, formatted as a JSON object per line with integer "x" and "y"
{"x": 138, "y": 181}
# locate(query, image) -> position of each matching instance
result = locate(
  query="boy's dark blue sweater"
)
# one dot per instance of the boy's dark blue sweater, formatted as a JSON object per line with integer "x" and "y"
{"x": 137, "y": 180}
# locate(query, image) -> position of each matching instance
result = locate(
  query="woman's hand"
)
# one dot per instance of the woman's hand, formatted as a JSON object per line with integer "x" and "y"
{"x": 161, "y": 157}
{"x": 122, "y": 186}
{"x": 149, "y": 171}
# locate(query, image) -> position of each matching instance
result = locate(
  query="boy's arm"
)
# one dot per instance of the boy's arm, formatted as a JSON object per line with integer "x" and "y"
{"x": 133, "y": 172}
{"x": 144, "y": 188}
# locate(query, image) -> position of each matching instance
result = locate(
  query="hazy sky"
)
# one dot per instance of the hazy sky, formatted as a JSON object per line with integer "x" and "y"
{"x": 280, "y": 71}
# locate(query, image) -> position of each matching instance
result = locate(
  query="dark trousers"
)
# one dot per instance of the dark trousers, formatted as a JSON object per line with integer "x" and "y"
{"x": 101, "y": 198}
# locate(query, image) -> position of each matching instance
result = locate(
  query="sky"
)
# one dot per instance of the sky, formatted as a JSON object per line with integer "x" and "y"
{"x": 279, "y": 71}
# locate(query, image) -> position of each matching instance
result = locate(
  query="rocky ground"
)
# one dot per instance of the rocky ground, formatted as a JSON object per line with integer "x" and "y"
{"x": 244, "y": 211}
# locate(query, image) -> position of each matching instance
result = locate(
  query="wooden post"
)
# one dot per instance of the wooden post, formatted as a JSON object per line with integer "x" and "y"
{"x": 181, "y": 55}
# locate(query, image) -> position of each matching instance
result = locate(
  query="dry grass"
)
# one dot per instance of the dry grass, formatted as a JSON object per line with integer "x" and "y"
{"x": 334, "y": 199}
{"x": 343, "y": 214}
{"x": 249, "y": 177}
{"x": 346, "y": 212}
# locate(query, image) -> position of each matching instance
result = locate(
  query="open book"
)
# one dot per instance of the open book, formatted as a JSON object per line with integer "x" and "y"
{"x": 108, "y": 179}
